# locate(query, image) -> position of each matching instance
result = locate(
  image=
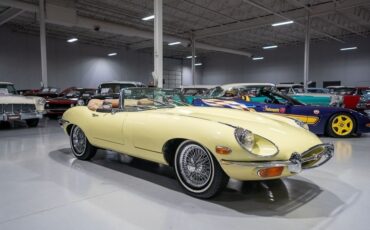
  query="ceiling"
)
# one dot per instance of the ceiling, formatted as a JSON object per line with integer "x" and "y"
{"x": 243, "y": 25}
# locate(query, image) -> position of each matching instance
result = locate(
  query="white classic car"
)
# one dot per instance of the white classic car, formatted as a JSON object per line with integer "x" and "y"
{"x": 14, "y": 107}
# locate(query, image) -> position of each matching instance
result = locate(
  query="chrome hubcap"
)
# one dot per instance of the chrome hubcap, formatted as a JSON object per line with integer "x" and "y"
{"x": 195, "y": 166}
{"x": 78, "y": 141}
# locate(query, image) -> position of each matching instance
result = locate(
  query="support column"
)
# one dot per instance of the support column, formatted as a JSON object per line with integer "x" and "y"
{"x": 307, "y": 53}
{"x": 192, "y": 60}
{"x": 158, "y": 43}
{"x": 44, "y": 70}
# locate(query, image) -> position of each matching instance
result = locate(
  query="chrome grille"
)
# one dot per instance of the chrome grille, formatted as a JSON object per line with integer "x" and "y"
{"x": 17, "y": 108}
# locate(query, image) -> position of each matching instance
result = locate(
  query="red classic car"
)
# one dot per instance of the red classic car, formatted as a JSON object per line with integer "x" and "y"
{"x": 351, "y": 96}
{"x": 68, "y": 98}
{"x": 45, "y": 92}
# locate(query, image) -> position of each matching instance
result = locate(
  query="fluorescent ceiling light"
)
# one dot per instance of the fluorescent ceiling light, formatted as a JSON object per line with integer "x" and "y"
{"x": 189, "y": 57}
{"x": 257, "y": 58}
{"x": 282, "y": 23}
{"x": 348, "y": 48}
{"x": 148, "y": 18}
{"x": 269, "y": 47}
{"x": 198, "y": 64}
{"x": 174, "y": 43}
{"x": 71, "y": 40}
{"x": 112, "y": 54}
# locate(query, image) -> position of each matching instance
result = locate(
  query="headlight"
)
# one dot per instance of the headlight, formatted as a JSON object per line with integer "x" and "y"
{"x": 245, "y": 138}
{"x": 255, "y": 144}
{"x": 72, "y": 105}
{"x": 80, "y": 102}
{"x": 300, "y": 123}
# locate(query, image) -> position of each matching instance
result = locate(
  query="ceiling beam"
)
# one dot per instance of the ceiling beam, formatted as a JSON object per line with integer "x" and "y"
{"x": 9, "y": 14}
{"x": 332, "y": 19}
{"x": 260, "y": 6}
{"x": 67, "y": 16}
{"x": 267, "y": 20}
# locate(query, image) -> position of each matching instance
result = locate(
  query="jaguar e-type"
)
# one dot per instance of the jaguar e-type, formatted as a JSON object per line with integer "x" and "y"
{"x": 205, "y": 146}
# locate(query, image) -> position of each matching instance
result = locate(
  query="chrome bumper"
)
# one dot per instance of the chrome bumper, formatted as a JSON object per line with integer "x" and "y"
{"x": 20, "y": 116}
{"x": 307, "y": 160}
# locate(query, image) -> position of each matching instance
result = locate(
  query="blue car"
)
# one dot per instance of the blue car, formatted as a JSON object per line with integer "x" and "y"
{"x": 322, "y": 120}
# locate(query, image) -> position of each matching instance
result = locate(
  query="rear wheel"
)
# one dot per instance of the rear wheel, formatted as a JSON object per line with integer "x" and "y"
{"x": 81, "y": 147}
{"x": 32, "y": 122}
{"x": 198, "y": 171}
{"x": 341, "y": 125}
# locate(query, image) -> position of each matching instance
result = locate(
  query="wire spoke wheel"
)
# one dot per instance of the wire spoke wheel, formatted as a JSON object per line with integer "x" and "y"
{"x": 198, "y": 171}
{"x": 195, "y": 166}
{"x": 78, "y": 141}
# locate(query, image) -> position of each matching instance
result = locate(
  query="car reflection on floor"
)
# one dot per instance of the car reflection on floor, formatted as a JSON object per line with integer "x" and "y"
{"x": 263, "y": 198}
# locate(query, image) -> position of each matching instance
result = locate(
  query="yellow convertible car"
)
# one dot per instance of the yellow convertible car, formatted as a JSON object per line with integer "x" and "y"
{"x": 205, "y": 146}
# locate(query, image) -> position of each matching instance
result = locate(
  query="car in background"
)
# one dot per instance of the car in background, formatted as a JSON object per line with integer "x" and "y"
{"x": 195, "y": 91}
{"x": 297, "y": 92}
{"x": 14, "y": 107}
{"x": 351, "y": 96}
{"x": 317, "y": 90}
{"x": 323, "y": 120}
{"x": 28, "y": 91}
{"x": 68, "y": 98}
{"x": 205, "y": 146}
{"x": 111, "y": 90}
{"x": 45, "y": 92}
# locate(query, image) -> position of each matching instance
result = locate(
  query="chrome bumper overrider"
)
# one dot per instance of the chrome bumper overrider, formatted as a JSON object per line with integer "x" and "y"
{"x": 312, "y": 158}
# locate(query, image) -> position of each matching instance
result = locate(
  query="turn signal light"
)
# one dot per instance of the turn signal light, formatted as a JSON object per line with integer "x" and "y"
{"x": 223, "y": 150}
{"x": 368, "y": 125}
{"x": 270, "y": 172}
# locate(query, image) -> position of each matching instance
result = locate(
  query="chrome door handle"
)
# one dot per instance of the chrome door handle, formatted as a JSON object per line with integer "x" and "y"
{"x": 95, "y": 115}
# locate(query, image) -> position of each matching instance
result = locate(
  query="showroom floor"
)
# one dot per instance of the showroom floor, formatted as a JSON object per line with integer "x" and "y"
{"x": 43, "y": 186}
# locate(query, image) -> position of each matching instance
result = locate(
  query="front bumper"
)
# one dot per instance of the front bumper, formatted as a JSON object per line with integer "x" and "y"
{"x": 312, "y": 158}
{"x": 20, "y": 116}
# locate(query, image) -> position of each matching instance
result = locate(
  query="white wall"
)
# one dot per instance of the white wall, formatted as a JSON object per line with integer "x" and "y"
{"x": 285, "y": 64}
{"x": 71, "y": 64}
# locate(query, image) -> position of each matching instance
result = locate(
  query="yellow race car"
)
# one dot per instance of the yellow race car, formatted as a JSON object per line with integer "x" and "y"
{"x": 205, "y": 146}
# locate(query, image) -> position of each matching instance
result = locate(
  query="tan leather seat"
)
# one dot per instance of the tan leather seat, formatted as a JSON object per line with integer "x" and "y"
{"x": 95, "y": 104}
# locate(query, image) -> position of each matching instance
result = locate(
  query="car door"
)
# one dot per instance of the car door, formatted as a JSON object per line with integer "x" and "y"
{"x": 108, "y": 126}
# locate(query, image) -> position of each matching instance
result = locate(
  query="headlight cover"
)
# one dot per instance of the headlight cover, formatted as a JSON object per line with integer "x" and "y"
{"x": 255, "y": 144}
{"x": 245, "y": 138}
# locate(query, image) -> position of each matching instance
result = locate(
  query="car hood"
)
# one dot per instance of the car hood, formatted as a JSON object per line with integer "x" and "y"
{"x": 16, "y": 99}
{"x": 277, "y": 129}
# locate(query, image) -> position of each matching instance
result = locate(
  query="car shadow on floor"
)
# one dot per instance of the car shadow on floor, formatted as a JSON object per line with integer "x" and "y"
{"x": 260, "y": 198}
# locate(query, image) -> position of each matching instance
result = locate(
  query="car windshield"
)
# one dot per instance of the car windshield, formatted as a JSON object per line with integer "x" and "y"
{"x": 152, "y": 98}
{"x": 113, "y": 88}
{"x": 298, "y": 89}
{"x": 250, "y": 90}
{"x": 342, "y": 91}
{"x": 274, "y": 97}
{"x": 194, "y": 91}
{"x": 49, "y": 90}
{"x": 7, "y": 89}
{"x": 74, "y": 93}
{"x": 313, "y": 90}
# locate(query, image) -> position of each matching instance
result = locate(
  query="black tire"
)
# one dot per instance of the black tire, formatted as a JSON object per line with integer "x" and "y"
{"x": 80, "y": 145}
{"x": 348, "y": 128}
{"x": 32, "y": 122}
{"x": 215, "y": 179}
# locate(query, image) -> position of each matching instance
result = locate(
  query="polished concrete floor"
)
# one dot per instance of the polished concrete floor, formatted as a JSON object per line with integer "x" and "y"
{"x": 42, "y": 186}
